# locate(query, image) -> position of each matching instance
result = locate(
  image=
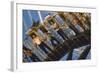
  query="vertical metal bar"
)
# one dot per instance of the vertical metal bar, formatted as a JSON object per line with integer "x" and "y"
{"x": 41, "y": 20}
{"x": 30, "y": 16}
{"x": 24, "y": 24}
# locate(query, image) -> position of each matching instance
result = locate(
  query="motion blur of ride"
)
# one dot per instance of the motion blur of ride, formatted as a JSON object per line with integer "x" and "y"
{"x": 56, "y": 36}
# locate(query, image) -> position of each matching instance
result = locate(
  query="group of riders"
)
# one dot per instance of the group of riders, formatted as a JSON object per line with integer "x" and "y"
{"x": 56, "y": 30}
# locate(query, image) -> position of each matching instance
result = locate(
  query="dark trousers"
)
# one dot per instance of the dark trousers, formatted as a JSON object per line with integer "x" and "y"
{"x": 62, "y": 34}
{"x": 53, "y": 40}
{"x": 43, "y": 46}
{"x": 35, "y": 58}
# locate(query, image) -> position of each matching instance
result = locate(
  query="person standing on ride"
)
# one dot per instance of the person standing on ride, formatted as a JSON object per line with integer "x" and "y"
{"x": 77, "y": 25}
{"x": 54, "y": 33}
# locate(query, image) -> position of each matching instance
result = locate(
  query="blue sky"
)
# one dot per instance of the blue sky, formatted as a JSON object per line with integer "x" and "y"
{"x": 34, "y": 15}
{"x": 27, "y": 19}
